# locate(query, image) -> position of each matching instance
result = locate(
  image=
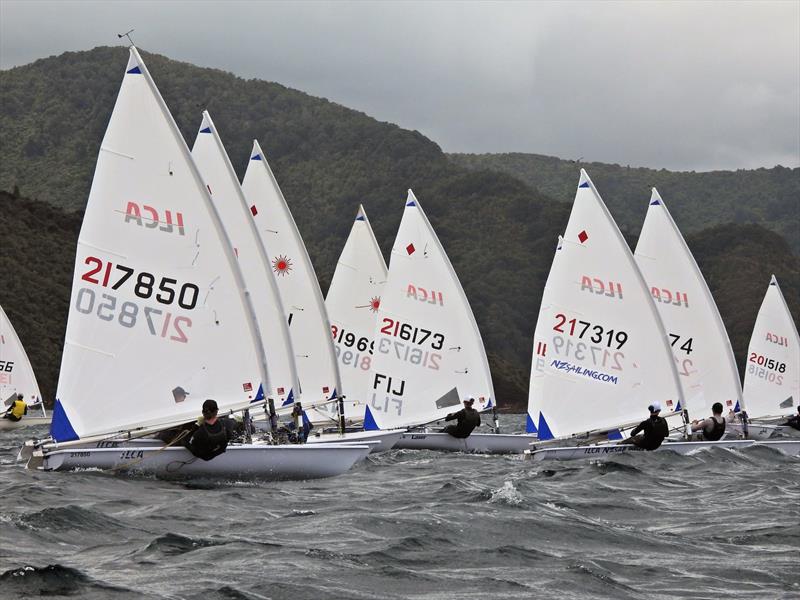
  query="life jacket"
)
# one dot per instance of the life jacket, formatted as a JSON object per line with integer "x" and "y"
{"x": 209, "y": 440}
{"x": 18, "y": 410}
{"x": 717, "y": 432}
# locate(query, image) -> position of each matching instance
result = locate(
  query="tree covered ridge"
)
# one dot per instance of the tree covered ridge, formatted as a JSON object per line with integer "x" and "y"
{"x": 499, "y": 232}
{"x": 769, "y": 197}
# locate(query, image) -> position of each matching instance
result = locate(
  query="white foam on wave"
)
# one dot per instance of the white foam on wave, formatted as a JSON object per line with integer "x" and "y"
{"x": 507, "y": 494}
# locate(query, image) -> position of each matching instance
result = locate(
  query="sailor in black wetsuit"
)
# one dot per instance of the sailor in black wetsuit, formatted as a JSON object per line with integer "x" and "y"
{"x": 712, "y": 428}
{"x": 794, "y": 422}
{"x": 211, "y": 437}
{"x": 468, "y": 419}
{"x": 654, "y": 430}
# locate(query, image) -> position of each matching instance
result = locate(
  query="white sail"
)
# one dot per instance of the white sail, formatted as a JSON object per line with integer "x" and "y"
{"x": 428, "y": 354}
{"x": 772, "y": 376}
{"x": 216, "y": 169}
{"x": 156, "y": 306}
{"x": 600, "y": 352}
{"x": 298, "y": 286}
{"x": 700, "y": 345}
{"x": 16, "y": 372}
{"x": 352, "y": 302}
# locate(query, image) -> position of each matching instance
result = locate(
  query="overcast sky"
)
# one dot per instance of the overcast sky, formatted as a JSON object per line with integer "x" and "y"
{"x": 678, "y": 85}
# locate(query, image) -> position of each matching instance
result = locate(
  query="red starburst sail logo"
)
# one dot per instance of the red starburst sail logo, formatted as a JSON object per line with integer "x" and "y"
{"x": 281, "y": 265}
{"x": 375, "y": 304}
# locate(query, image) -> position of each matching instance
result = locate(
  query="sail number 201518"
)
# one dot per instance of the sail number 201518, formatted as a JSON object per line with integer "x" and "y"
{"x": 577, "y": 328}
{"x": 144, "y": 283}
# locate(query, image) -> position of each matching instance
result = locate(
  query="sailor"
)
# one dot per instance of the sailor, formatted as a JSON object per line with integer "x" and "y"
{"x": 712, "y": 428}
{"x": 468, "y": 419}
{"x": 212, "y": 435}
{"x": 794, "y": 421}
{"x": 17, "y": 410}
{"x": 298, "y": 434}
{"x": 654, "y": 430}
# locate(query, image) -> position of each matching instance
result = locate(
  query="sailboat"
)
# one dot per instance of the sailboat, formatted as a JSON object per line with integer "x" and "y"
{"x": 318, "y": 372}
{"x": 772, "y": 378}
{"x": 217, "y": 171}
{"x": 159, "y": 318}
{"x": 17, "y": 377}
{"x": 601, "y": 354}
{"x": 700, "y": 345}
{"x": 428, "y": 355}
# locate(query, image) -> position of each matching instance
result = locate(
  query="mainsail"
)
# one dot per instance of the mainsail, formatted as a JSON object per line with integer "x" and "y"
{"x": 262, "y": 292}
{"x": 157, "y": 319}
{"x": 772, "y": 377}
{"x": 600, "y": 352}
{"x": 429, "y": 355}
{"x": 352, "y": 302}
{"x": 700, "y": 344}
{"x": 298, "y": 286}
{"x": 16, "y": 373}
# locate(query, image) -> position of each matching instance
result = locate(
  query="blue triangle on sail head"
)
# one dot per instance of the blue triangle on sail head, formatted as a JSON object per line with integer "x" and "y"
{"x": 411, "y": 203}
{"x": 585, "y": 184}
{"x": 306, "y": 421}
{"x": 360, "y": 218}
{"x": 488, "y": 405}
{"x": 655, "y": 203}
{"x": 289, "y": 399}
{"x": 369, "y": 421}
{"x": 529, "y": 425}
{"x": 737, "y": 408}
{"x": 260, "y": 393}
{"x": 544, "y": 429}
{"x": 60, "y": 427}
{"x": 255, "y": 157}
{"x": 615, "y": 435}
{"x": 206, "y": 130}
{"x": 333, "y": 395}
{"x": 678, "y": 406}
{"x": 134, "y": 71}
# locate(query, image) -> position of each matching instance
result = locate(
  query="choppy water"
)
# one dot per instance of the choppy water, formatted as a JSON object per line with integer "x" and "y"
{"x": 413, "y": 524}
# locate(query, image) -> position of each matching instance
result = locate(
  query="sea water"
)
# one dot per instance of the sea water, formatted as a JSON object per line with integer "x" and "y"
{"x": 413, "y": 524}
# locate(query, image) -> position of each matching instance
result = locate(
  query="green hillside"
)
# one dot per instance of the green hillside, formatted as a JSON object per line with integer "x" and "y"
{"x": 499, "y": 232}
{"x": 768, "y": 197}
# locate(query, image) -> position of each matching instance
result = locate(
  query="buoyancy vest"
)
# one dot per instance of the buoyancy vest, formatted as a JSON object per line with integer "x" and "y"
{"x": 716, "y": 432}
{"x": 209, "y": 440}
{"x": 18, "y": 410}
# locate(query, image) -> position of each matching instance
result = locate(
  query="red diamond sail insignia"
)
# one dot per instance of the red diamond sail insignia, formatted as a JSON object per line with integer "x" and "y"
{"x": 410, "y": 249}
{"x": 583, "y": 236}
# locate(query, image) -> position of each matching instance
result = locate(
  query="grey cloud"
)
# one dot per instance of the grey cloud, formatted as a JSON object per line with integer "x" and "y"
{"x": 677, "y": 85}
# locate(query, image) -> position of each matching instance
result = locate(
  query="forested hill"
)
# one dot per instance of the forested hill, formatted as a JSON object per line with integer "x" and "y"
{"x": 769, "y": 197}
{"x": 498, "y": 231}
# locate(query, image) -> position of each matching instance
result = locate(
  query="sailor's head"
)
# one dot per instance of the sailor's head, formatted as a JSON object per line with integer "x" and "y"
{"x": 468, "y": 402}
{"x": 20, "y": 396}
{"x": 654, "y": 408}
{"x": 179, "y": 394}
{"x": 210, "y": 409}
{"x": 716, "y": 408}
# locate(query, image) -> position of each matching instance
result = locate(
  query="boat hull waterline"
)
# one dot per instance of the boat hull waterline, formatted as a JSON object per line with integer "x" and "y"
{"x": 8, "y": 424}
{"x": 609, "y": 451}
{"x": 251, "y": 461}
{"x": 484, "y": 443}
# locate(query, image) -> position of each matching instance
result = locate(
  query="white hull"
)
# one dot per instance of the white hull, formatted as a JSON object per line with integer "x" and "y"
{"x": 252, "y": 461}
{"x": 790, "y": 447}
{"x": 607, "y": 451}
{"x": 755, "y": 431}
{"x": 8, "y": 424}
{"x": 488, "y": 443}
{"x": 386, "y": 439}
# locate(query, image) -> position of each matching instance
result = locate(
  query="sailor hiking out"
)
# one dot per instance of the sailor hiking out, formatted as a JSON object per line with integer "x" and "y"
{"x": 467, "y": 419}
{"x": 713, "y": 428}
{"x": 653, "y": 430}
{"x": 211, "y": 437}
{"x": 17, "y": 410}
